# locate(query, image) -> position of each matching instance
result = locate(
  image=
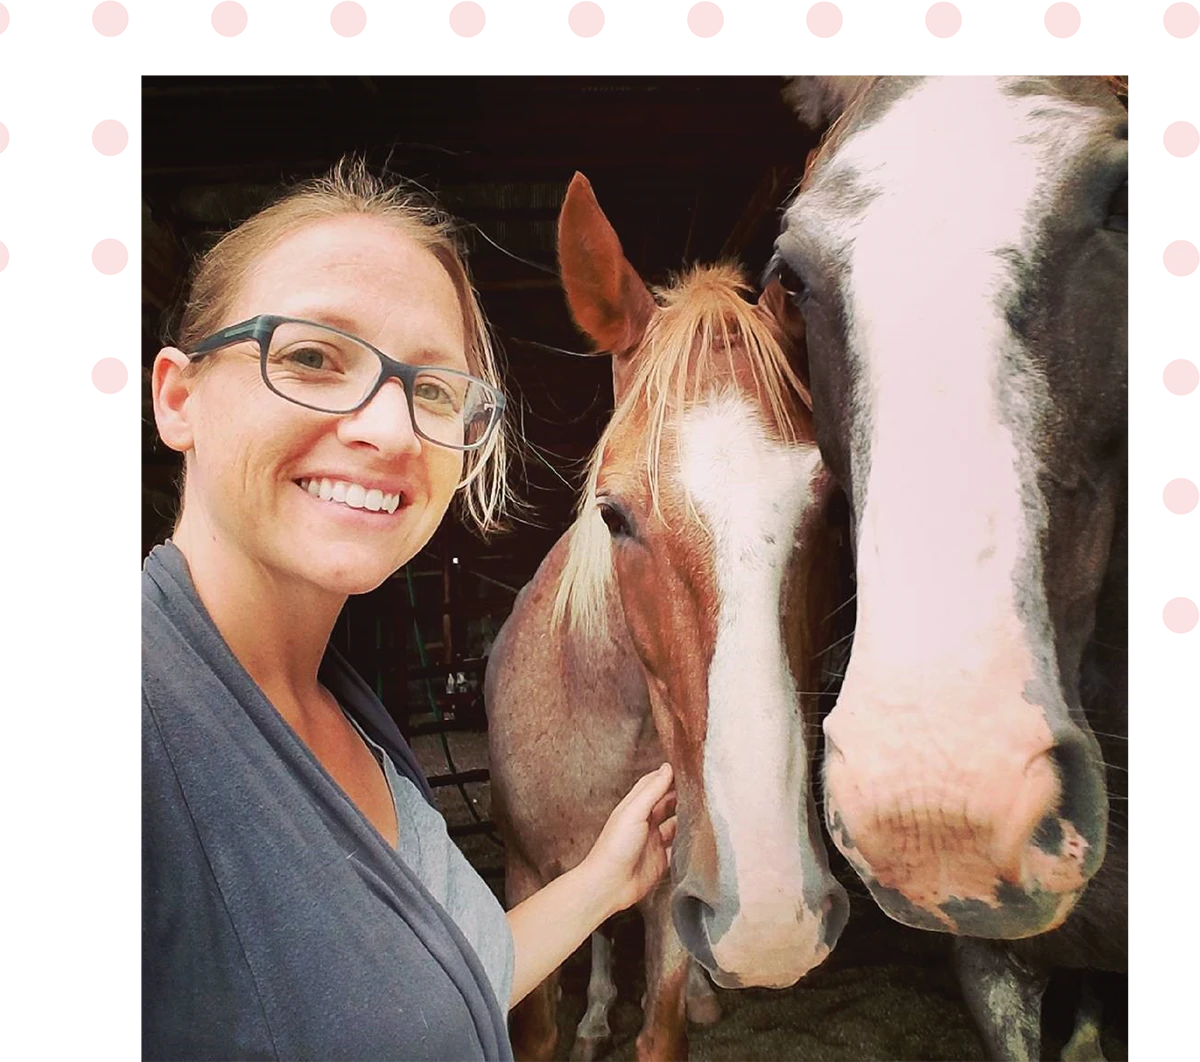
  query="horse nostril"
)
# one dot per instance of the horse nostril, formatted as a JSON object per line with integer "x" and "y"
{"x": 692, "y": 917}
{"x": 836, "y": 911}
{"x": 1083, "y": 799}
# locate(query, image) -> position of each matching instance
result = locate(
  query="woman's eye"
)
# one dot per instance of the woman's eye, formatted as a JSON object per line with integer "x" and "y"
{"x": 434, "y": 393}
{"x": 308, "y": 358}
{"x": 614, "y": 520}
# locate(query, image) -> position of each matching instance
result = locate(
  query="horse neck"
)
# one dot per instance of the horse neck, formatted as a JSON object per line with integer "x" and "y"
{"x": 599, "y": 670}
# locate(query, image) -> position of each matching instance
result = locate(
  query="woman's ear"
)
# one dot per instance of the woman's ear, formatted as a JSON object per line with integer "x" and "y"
{"x": 170, "y": 390}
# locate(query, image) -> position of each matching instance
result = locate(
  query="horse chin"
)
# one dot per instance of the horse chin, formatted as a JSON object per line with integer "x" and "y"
{"x": 1013, "y": 913}
{"x": 725, "y": 980}
{"x": 780, "y": 978}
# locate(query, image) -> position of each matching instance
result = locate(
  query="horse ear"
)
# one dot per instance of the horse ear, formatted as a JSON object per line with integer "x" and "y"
{"x": 788, "y": 324}
{"x": 607, "y": 299}
{"x": 819, "y": 101}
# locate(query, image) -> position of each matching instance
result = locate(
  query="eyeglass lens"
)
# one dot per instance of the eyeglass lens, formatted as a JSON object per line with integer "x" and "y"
{"x": 332, "y": 372}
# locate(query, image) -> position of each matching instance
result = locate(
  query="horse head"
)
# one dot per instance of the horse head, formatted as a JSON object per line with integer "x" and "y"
{"x": 958, "y": 250}
{"x": 706, "y": 507}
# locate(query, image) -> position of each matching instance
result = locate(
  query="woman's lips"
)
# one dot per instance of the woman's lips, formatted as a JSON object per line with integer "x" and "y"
{"x": 354, "y": 495}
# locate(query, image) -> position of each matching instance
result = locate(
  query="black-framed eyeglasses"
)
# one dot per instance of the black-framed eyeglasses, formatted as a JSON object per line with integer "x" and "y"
{"x": 323, "y": 368}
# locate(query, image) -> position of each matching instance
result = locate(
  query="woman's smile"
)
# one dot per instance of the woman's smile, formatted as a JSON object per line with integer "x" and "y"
{"x": 353, "y": 494}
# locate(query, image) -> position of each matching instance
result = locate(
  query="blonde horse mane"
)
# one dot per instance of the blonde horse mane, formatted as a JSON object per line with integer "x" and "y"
{"x": 701, "y": 317}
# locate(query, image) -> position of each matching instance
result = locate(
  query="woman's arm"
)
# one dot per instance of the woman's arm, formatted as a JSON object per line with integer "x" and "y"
{"x": 629, "y": 857}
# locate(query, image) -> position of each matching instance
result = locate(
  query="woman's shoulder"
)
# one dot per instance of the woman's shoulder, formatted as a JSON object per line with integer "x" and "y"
{"x": 179, "y": 642}
{"x": 164, "y": 572}
{"x": 161, "y": 590}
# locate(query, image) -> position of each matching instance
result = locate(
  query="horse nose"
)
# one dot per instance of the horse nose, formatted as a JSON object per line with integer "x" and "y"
{"x": 835, "y": 911}
{"x": 1000, "y": 844}
{"x": 769, "y": 945}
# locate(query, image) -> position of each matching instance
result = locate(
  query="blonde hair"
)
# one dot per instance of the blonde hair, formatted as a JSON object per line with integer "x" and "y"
{"x": 349, "y": 188}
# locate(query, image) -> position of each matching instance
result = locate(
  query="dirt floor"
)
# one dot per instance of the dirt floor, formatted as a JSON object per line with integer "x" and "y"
{"x": 886, "y": 993}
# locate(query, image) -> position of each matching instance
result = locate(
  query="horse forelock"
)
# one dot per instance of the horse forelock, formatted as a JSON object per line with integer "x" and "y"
{"x": 702, "y": 332}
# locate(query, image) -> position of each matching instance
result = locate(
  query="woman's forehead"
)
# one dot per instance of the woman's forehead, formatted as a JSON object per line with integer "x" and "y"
{"x": 357, "y": 273}
{"x": 366, "y": 249}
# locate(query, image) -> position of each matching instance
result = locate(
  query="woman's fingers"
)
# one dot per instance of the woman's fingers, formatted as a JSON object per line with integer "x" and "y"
{"x": 664, "y": 809}
{"x": 647, "y": 791}
{"x": 666, "y": 831}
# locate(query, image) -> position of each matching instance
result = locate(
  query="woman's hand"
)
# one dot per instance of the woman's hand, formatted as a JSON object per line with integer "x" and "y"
{"x": 628, "y": 859}
{"x": 633, "y": 850}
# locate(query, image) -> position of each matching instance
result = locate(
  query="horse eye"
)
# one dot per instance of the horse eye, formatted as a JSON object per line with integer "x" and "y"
{"x": 615, "y": 520}
{"x": 1118, "y": 209}
{"x": 789, "y": 279}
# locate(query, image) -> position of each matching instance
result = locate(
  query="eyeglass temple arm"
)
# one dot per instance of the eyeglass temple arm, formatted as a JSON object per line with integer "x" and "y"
{"x": 233, "y": 334}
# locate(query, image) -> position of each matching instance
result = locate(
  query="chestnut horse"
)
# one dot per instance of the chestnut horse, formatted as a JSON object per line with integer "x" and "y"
{"x": 959, "y": 252}
{"x": 672, "y": 620}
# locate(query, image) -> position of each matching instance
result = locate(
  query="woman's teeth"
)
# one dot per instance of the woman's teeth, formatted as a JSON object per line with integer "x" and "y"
{"x": 352, "y": 494}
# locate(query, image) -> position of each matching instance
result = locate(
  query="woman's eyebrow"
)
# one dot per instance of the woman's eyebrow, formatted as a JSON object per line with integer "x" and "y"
{"x": 328, "y": 317}
{"x": 421, "y": 356}
{"x": 427, "y": 356}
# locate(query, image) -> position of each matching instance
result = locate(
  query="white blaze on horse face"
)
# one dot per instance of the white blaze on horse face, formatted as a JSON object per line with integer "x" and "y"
{"x": 938, "y": 766}
{"x": 951, "y": 515}
{"x": 751, "y": 493}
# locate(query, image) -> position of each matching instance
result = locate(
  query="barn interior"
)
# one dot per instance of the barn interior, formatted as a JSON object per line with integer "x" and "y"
{"x": 688, "y": 170}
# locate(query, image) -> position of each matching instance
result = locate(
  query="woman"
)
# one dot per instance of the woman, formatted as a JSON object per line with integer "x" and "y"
{"x": 300, "y": 896}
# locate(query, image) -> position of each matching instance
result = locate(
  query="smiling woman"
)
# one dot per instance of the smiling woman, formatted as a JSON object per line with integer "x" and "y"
{"x": 332, "y": 390}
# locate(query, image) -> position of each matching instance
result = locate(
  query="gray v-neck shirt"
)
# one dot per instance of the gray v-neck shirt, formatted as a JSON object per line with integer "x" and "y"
{"x": 277, "y": 923}
{"x": 425, "y": 845}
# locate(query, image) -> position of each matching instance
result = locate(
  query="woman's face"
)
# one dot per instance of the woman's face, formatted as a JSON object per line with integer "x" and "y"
{"x": 252, "y": 450}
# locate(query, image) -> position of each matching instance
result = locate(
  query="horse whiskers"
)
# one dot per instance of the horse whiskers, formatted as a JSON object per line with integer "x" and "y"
{"x": 1115, "y": 737}
{"x": 840, "y": 607}
{"x": 833, "y": 644}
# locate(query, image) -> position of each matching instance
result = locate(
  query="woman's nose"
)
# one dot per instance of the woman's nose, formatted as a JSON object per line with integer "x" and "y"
{"x": 383, "y": 423}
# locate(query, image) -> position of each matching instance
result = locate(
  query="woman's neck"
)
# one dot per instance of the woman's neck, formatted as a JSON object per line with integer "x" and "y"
{"x": 277, "y": 626}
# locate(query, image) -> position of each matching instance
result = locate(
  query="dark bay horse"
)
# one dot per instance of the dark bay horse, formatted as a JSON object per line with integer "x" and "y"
{"x": 958, "y": 249}
{"x": 673, "y": 620}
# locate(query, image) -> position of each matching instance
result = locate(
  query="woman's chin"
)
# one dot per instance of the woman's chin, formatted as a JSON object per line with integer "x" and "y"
{"x": 342, "y": 569}
{"x": 359, "y": 581}
{"x": 352, "y": 586}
